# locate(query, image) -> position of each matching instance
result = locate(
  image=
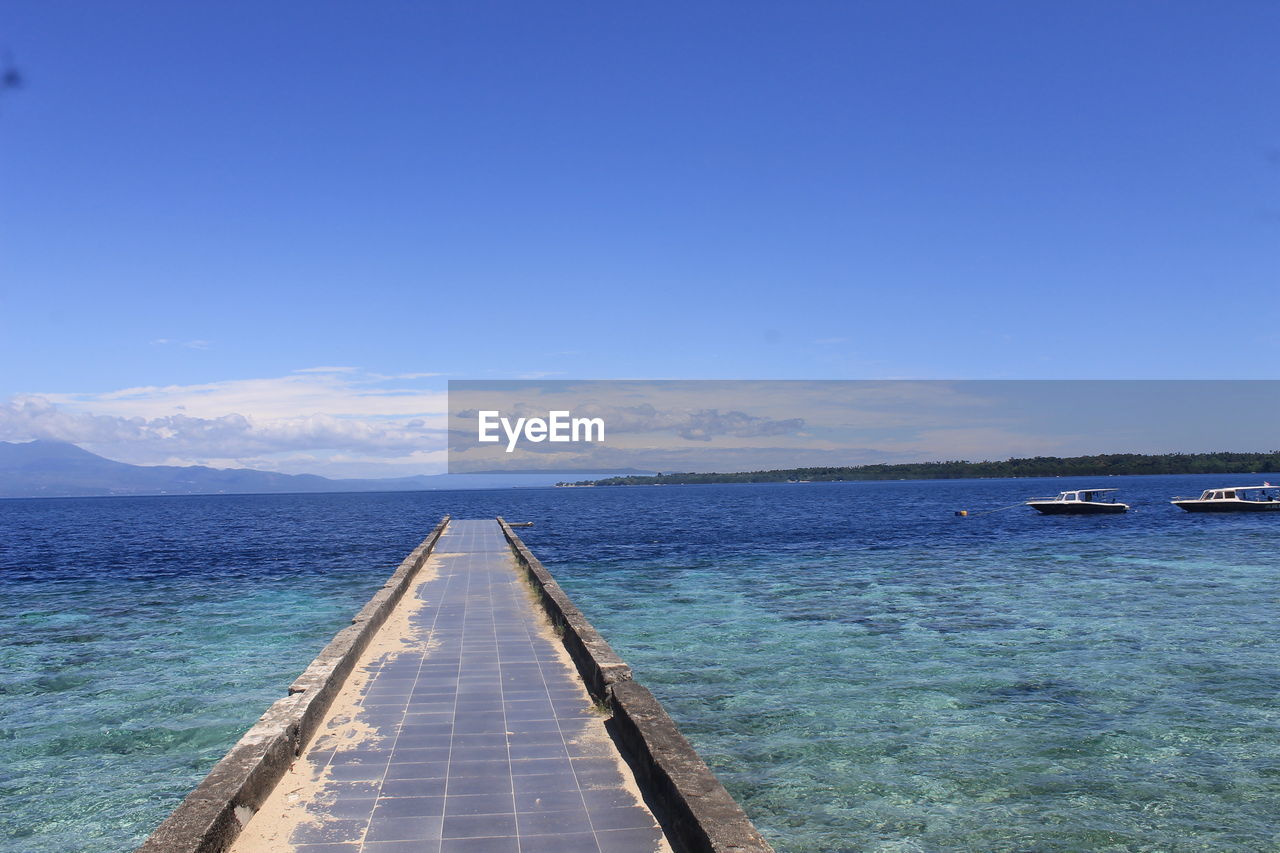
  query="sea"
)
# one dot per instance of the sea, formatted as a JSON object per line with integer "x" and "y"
{"x": 862, "y": 668}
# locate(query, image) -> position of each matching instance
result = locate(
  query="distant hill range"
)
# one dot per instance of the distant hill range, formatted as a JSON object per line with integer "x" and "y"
{"x": 1102, "y": 465}
{"x": 37, "y": 469}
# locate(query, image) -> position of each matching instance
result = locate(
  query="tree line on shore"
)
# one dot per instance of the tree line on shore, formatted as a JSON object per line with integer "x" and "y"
{"x": 1104, "y": 464}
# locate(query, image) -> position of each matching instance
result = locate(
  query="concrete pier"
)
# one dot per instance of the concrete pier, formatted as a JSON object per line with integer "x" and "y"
{"x": 471, "y": 732}
{"x": 470, "y": 707}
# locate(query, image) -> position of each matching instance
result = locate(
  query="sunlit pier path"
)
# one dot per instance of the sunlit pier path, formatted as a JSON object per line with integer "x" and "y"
{"x": 470, "y": 707}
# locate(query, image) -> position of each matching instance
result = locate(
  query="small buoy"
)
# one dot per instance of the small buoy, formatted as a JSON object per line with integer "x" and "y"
{"x": 962, "y": 512}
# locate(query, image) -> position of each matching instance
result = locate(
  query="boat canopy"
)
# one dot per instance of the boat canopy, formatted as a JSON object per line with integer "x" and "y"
{"x": 1074, "y": 495}
{"x": 1233, "y": 493}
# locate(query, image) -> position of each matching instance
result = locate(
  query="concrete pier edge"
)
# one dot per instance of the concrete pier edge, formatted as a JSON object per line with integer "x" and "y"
{"x": 696, "y": 811}
{"x": 213, "y": 814}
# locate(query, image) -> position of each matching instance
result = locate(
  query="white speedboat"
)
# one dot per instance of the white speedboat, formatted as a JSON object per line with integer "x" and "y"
{"x": 1264, "y": 498}
{"x": 1079, "y": 502}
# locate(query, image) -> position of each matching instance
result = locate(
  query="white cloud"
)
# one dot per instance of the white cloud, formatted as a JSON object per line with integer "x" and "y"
{"x": 316, "y": 420}
{"x": 331, "y": 391}
{"x": 196, "y": 344}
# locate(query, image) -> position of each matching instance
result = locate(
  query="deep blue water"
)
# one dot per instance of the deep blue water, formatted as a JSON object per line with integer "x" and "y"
{"x": 862, "y": 668}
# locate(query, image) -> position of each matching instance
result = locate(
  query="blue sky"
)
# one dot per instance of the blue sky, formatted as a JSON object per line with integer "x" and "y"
{"x": 207, "y": 198}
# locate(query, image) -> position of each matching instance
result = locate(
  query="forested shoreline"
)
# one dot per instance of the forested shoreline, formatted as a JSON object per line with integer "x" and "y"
{"x": 1106, "y": 464}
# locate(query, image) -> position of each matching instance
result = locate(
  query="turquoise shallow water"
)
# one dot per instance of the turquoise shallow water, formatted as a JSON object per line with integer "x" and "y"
{"x": 139, "y": 638}
{"x": 863, "y": 669}
{"x": 885, "y": 677}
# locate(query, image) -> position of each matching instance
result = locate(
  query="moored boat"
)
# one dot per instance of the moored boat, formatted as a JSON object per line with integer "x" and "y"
{"x": 1264, "y": 498}
{"x": 1079, "y": 502}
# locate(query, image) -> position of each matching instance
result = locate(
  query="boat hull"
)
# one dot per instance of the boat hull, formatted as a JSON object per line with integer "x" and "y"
{"x": 1077, "y": 508}
{"x": 1228, "y": 506}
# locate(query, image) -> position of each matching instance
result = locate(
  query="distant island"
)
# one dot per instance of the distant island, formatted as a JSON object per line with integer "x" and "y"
{"x": 1102, "y": 465}
{"x": 47, "y": 469}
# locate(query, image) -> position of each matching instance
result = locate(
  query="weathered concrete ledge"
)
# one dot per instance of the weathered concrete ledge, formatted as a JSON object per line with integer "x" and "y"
{"x": 696, "y": 811}
{"x": 597, "y": 662}
{"x": 212, "y": 815}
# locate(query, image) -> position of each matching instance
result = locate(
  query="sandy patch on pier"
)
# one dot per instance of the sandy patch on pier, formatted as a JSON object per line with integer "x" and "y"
{"x": 269, "y": 829}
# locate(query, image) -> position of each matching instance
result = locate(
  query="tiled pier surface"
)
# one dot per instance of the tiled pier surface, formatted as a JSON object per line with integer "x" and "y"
{"x": 479, "y": 736}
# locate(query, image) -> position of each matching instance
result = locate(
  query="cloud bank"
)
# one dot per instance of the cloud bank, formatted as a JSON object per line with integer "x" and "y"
{"x": 332, "y": 421}
{"x": 346, "y": 422}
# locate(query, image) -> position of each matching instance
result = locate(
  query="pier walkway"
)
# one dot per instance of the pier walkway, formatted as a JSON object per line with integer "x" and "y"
{"x": 464, "y": 727}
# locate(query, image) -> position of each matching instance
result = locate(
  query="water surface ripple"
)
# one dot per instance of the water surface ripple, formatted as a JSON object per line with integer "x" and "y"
{"x": 864, "y": 670}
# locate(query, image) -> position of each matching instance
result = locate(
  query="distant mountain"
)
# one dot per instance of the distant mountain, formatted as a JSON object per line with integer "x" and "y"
{"x": 58, "y": 469}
